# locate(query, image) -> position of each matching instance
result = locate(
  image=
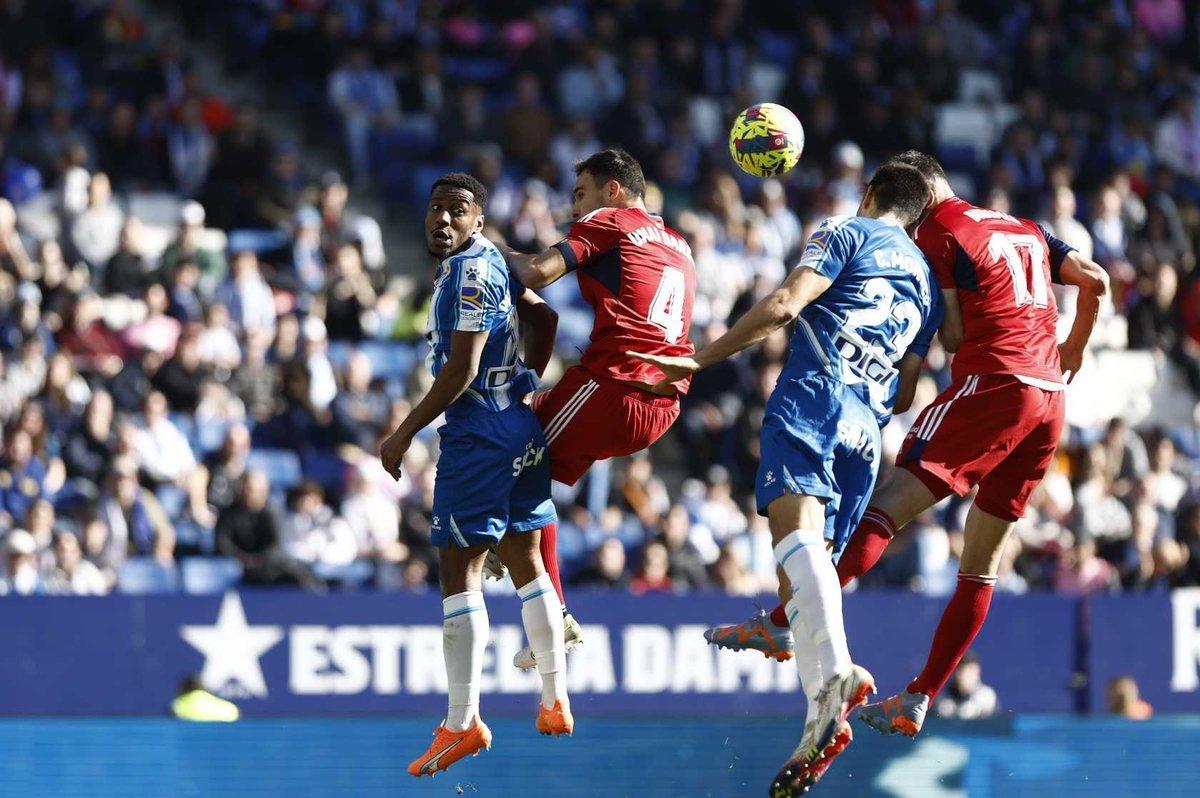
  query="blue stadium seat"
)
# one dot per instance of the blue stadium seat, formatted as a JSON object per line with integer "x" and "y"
{"x": 351, "y": 576}
{"x": 256, "y": 241}
{"x": 281, "y": 466}
{"x": 209, "y": 436}
{"x": 139, "y": 575}
{"x": 326, "y": 467}
{"x": 339, "y": 352}
{"x": 389, "y": 358}
{"x": 210, "y": 574}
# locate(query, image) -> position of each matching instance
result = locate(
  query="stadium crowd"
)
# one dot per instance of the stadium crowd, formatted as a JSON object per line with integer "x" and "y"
{"x": 223, "y": 393}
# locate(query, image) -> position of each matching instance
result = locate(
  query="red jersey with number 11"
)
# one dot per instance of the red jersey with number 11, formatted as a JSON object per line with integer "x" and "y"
{"x": 1002, "y": 268}
{"x": 638, "y": 275}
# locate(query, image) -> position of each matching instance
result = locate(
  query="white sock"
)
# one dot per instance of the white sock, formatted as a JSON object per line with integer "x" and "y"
{"x": 464, "y": 638}
{"x": 541, "y": 613}
{"x": 805, "y": 657}
{"x": 816, "y": 605}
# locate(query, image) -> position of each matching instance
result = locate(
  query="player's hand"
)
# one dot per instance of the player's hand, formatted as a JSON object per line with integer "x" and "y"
{"x": 675, "y": 368}
{"x": 1071, "y": 359}
{"x": 392, "y": 451}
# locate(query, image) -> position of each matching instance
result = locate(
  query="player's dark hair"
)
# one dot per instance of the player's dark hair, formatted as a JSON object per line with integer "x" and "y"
{"x": 464, "y": 181}
{"x": 925, "y": 163}
{"x": 902, "y": 190}
{"x": 615, "y": 165}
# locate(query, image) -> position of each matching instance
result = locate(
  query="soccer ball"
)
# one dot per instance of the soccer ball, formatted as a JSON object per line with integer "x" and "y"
{"x": 766, "y": 140}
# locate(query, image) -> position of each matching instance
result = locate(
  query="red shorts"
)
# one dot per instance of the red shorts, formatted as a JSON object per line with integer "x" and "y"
{"x": 588, "y": 418}
{"x": 989, "y": 430}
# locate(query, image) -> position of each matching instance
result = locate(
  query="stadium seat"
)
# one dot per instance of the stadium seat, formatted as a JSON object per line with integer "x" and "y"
{"x": 389, "y": 358}
{"x": 326, "y": 467}
{"x": 257, "y": 240}
{"x": 203, "y": 575}
{"x": 350, "y": 576}
{"x": 209, "y": 436}
{"x": 139, "y": 575}
{"x": 281, "y": 466}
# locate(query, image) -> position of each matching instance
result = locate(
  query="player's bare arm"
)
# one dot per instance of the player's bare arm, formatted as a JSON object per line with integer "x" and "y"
{"x": 910, "y": 372}
{"x": 466, "y": 349}
{"x": 773, "y": 311}
{"x": 1093, "y": 287}
{"x": 951, "y": 331}
{"x": 539, "y": 323}
{"x": 535, "y": 271}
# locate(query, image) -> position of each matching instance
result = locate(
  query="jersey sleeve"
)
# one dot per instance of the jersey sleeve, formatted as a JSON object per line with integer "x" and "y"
{"x": 592, "y": 235}
{"x": 477, "y": 303}
{"x": 829, "y": 248}
{"x": 937, "y": 313}
{"x": 940, "y": 248}
{"x": 1058, "y": 251}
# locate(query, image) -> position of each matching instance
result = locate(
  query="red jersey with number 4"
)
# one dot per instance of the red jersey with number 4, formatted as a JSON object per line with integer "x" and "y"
{"x": 639, "y": 277}
{"x": 1002, "y": 268}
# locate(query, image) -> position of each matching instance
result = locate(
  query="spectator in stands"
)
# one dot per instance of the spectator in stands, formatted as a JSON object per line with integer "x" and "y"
{"x": 217, "y": 344}
{"x": 249, "y": 530}
{"x": 136, "y": 521}
{"x": 256, "y": 380}
{"x": 185, "y": 304}
{"x": 189, "y": 245}
{"x": 25, "y": 476}
{"x": 95, "y": 234}
{"x": 247, "y": 295}
{"x": 162, "y": 450}
{"x": 359, "y": 411}
{"x": 528, "y": 123}
{"x": 88, "y": 448}
{"x": 372, "y": 516}
{"x": 1081, "y": 572}
{"x": 127, "y": 271}
{"x": 340, "y": 225}
{"x": 89, "y": 340}
{"x": 607, "y": 567}
{"x": 1125, "y": 700}
{"x": 157, "y": 331}
{"x": 70, "y": 574}
{"x": 967, "y": 697}
{"x": 348, "y": 297}
{"x": 190, "y": 149}
{"x": 685, "y": 563}
{"x": 181, "y": 375}
{"x": 653, "y": 574}
{"x": 366, "y": 101}
{"x": 21, "y": 576}
{"x": 312, "y": 533}
{"x": 225, "y": 468}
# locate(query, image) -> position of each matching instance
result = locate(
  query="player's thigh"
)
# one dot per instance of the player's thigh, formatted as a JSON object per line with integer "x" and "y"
{"x": 968, "y": 430}
{"x": 1005, "y": 490}
{"x": 529, "y": 504}
{"x": 795, "y": 487}
{"x": 645, "y": 418}
{"x": 473, "y": 484}
{"x": 568, "y": 413}
{"x": 855, "y": 469}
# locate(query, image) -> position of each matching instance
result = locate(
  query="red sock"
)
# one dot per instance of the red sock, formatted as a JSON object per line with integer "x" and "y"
{"x": 549, "y": 547}
{"x": 779, "y": 617}
{"x": 961, "y": 621}
{"x": 870, "y": 538}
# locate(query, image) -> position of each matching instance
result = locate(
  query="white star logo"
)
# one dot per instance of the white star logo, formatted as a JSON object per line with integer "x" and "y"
{"x": 231, "y": 650}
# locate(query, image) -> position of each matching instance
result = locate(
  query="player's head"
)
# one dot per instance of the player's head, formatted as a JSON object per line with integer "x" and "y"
{"x": 927, "y": 165}
{"x": 897, "y": 190}
{"x": 454, "y": 214}
{"x": 608, "y": 179}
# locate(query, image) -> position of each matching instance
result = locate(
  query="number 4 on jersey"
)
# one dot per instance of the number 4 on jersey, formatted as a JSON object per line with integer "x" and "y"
{"x": 666, "y": 310}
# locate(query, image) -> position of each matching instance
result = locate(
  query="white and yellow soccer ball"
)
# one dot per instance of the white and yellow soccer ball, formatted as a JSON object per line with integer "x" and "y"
{"x": 766, "y": 140}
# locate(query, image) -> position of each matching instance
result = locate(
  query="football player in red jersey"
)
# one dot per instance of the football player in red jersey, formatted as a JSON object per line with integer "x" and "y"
{"x": 639, "y": 277}
{"x": 996, "y": 427}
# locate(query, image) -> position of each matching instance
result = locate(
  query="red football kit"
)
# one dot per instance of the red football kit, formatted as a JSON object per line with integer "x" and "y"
{"x": 639, "y": 277}
{"x": 998, "y": 424}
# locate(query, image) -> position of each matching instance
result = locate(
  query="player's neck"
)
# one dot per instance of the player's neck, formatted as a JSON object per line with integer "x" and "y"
{"x": 890, "y": 218}
{"x": 633, "y": 202}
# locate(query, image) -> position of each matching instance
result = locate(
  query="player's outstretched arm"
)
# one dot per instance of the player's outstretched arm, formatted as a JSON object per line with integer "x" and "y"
{"x": 540, "y": 323}
{"x": 535, "y": 271}
{"x": 466, "y": 349}
{"x": 773, "y": 311}
{"x": 1093, "y": 287}
{"x": 951, "y": 331}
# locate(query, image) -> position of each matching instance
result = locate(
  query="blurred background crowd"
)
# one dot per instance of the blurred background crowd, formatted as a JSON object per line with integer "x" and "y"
{"x": 204, "y": 334}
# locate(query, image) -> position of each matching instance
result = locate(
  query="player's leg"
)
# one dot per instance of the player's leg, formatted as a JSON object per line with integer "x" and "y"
{"x": 531, "y": 510}
{"x": 1003, "y": 494}
{"x": 464, "y": 639}
{"x": 895, "y": 503}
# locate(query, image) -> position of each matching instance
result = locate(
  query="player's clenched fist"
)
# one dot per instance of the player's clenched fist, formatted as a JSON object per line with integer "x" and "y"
{"x": 391, "y": 452}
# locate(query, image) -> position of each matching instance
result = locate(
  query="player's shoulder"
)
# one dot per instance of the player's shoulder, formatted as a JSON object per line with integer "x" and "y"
{"x": 480, "y": 256}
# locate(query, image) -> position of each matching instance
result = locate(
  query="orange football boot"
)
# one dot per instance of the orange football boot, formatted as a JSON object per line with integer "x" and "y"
{"x": 556, "y": 720}
{"x": 450, "y": 746}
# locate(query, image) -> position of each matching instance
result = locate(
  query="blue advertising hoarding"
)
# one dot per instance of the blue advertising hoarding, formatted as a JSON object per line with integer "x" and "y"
{"x": 282, "y": 653}
{"x": 1153, "y": 637}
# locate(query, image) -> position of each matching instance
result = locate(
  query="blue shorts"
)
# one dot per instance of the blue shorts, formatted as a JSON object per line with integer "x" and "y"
{"x": 819, "y": 439}
{"x": 493, "y": 476}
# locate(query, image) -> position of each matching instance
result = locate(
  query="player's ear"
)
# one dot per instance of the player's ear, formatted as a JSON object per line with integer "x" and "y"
{"x": 613, "y": 189}
{"x": 478, "y": 224}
